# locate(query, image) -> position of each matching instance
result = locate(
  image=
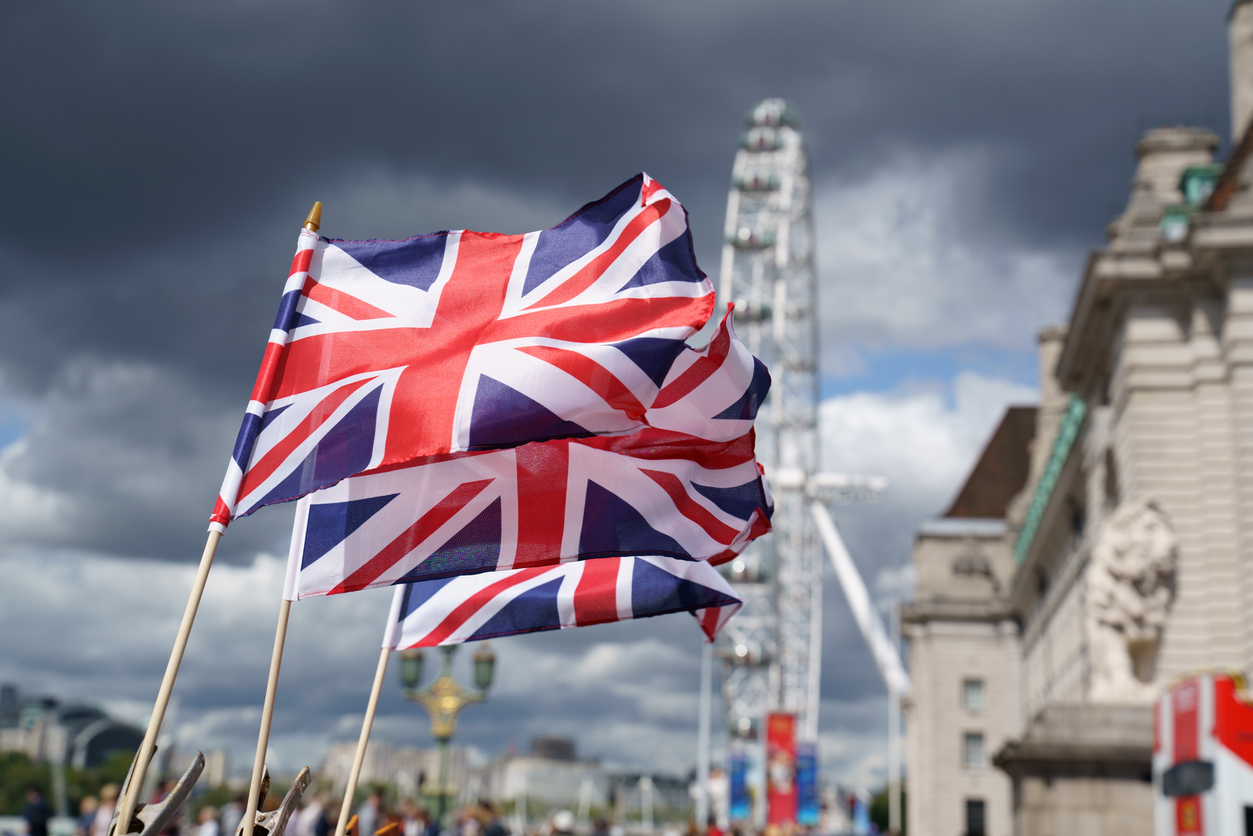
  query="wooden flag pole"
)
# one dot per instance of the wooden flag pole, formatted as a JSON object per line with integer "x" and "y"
{"x": 313, "y": 222}
{"x": 267, "y": 715}
{"x": 167, "y": 685}
{"x": 346, "y": 808}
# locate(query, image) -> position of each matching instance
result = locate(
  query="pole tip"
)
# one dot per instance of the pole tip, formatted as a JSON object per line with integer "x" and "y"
{"x": 314, "y": 222}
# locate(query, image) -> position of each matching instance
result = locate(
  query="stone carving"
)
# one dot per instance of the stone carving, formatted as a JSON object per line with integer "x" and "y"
{"x": 1130, "y": 589}
{"x": 974, "y": 564}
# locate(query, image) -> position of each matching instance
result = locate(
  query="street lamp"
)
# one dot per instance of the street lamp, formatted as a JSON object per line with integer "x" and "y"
{"x": 444, "y": 699}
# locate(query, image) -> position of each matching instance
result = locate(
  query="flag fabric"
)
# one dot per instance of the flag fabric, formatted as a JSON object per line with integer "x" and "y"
{"x": 713, "y": 392}
{"x": 472, "y": 607}
{"x": 387, "y": 351}
{"x": 650, "y": 493}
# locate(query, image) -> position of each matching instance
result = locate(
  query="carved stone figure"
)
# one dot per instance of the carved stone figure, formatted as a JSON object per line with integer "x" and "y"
{"x": 1130, "y": 589}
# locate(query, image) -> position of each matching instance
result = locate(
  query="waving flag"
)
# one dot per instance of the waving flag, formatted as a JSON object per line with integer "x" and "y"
{"x": 472, "y": 607}
{"x": 386, "y": 351}
{"x": 649, "y": 493}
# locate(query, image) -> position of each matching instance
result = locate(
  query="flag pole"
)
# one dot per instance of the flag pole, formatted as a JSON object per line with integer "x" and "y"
{"x": 313, "y": 222}
{"x": 346, "y": 808}
{"x": 267, "y": 715}
{"x": 167, "y": 684}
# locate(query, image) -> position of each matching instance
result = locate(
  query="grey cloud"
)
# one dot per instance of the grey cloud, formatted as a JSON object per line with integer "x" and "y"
{"x": 124, "y": 458}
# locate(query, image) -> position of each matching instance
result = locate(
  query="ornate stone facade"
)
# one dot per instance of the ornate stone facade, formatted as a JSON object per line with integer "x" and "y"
{"x": 1131, "y": 539}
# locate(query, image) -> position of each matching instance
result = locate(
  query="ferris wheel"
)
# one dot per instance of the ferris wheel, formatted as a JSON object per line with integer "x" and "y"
{"x": 772, "y": 645}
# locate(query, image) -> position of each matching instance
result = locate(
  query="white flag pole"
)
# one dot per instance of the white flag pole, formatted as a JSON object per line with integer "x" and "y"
{"x": 143, "y": 757}
{"x": 345, "y": 809}
{"x": 267, "y": 715}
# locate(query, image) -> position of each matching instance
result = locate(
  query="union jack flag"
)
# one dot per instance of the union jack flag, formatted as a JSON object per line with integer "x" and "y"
{"x": 385, "y": 351}
{"x": 473, "y": 607}
{"x": 653, "y": 492}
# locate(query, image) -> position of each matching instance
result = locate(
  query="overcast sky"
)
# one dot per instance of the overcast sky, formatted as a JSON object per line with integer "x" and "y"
{"x": 157, "y": 158}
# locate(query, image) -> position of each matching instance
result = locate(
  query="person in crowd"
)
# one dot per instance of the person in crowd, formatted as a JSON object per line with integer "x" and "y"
{"x": 392, "y": 816}
{"x": 208, "y": 820}
{"x": 490, "y": 819}
{"x": 468, "y": 823}
{"x": 324, "y": 825}
{"x": 600, "y": 827}
{"x": 86, "y": 813}
{"x": 307, "y": 817}
{"x": 36, "y": 812}
{"x": 430, "y": 826}
{"x": 232, "y": 814}
{"x": 163, "y": 789}
{"x": 368, "y": 814}
{"x": 563, "y": 823}
{"x": 104, "y": 812}
{"x": 411, "y": 823}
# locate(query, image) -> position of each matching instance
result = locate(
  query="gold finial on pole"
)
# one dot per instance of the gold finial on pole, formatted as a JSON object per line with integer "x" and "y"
{"x": 314, "y": 222}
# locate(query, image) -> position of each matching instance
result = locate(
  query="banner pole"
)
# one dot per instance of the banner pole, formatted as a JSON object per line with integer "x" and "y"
{"x": 345, "y": 809}
{"x": 267, "y": 715}
{"x": 704, "y": 712}
{"x": 144, "y": 756}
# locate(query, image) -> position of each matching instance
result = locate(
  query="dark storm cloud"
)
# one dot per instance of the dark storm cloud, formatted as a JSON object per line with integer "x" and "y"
{"x": 157, "y": 155}
{"x": 159, "y": 118}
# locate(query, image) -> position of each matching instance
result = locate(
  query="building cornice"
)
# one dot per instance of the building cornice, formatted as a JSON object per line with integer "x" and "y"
{"x": 1073, "y": 760}
{"x": 953, "y": 609}
{"x": 1110, "y": 277}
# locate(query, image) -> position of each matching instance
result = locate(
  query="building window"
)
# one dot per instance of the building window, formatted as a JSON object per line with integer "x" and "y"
{"x": 972, "y": 751}
{"x": 976, "y": 817}
{"x": 972, "y": 694}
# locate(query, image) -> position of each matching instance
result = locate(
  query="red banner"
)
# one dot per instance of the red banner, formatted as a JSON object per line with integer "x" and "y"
{"x": 781, "y": 769}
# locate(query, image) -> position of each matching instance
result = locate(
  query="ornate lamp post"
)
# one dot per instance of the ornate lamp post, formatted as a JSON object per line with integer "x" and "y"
{"x": 444, "y": 699}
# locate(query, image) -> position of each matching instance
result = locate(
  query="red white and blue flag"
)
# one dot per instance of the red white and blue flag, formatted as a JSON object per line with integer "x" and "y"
{"x": 472, "y": 607}
{"x": 386, "y": 351}
{"x": 652, "y": 493}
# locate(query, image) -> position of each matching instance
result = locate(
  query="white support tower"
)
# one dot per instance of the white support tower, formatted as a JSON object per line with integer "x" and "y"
{"x": 774, "y": 643}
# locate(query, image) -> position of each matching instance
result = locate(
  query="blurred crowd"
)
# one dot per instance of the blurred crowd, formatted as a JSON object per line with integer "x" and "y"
{"x": 318, "y": 815}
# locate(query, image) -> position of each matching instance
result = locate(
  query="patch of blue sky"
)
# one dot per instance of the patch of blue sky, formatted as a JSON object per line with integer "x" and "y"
{"x": 897, "y": 369}
{"x": 13, "y": 421}
{"x": 12, "y": 427}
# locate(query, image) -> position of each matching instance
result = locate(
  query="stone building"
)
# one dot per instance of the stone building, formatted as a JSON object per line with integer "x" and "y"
{"x": 1049, "y": 613}
{"x": 47, "y": 731}
{"x": 411, "y": 770}
{"x": 964, "y": 646}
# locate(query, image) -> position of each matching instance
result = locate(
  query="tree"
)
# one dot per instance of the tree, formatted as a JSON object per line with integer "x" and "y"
{"x": 879, "y": 809}
{"x": 16, "y": 774}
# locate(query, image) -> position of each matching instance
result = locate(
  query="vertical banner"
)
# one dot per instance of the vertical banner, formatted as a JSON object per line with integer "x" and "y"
{"x": 861, "y": 815}
{"x": 807, "y": 784}
{"x": 740, "y": 806}
{"x": 781, "y": 769}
